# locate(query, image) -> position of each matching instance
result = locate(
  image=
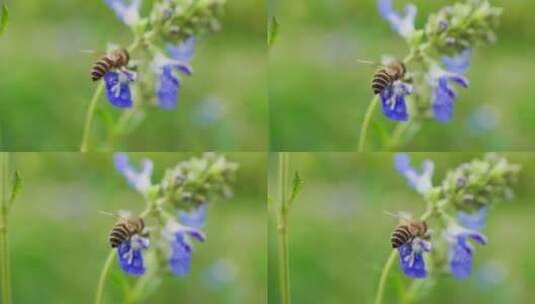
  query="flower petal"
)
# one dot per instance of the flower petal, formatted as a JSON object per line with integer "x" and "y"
{"x": 194, "y": 218}
{"x": 140, "y": 180}
{"x": 127, "y": 13}
{"x": 412, "y": 263}
{"x": 421, "y": 182}
{"x": 461, "y": 259}
{"x": 395, "y": 110}
{"x": 118, "y": 90}
{"x": 404, "y": 25}
{"x": 184, "y": 51}
{"x": 180, "y": 259}
{"x": 459, "y": 79}
{"x": 168, "y": 86}
{"x": 475, "y": 220}
{"x": 442, "y": 106}
{"x": 130, "y": 260}
{"x": 458, "y": 64}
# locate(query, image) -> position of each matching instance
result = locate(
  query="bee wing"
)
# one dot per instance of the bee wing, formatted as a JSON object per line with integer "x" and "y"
{"x": 402, "y": 216}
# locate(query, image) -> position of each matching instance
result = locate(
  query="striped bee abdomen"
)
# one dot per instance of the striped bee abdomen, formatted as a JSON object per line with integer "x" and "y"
{"x": 116, "y": 59}
{"x": 400, "y": 236}
{"x": 119, "y": 234}
{"x": 381, "y": 80}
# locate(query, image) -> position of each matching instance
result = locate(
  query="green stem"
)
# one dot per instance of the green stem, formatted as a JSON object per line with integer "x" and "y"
{"x": 397, "y": 134}
{"x": 103, "y": 275}
{"x": 413, "y": 289}
{"x": 384, "y": 276}
{"x": 284, "y": 264}
{"x": 119, "y": 128}
{"x": 5, "y": 275}
{"x": 365, "y": 124}
{"x": 89, "y": 116}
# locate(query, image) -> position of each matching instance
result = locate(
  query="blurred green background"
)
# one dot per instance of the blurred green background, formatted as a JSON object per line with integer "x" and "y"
{"x": 339, "y": 234}
{"x": 45, "y": 85}
{"x": 319, "y": 93}
{"x": 58, "y": 237}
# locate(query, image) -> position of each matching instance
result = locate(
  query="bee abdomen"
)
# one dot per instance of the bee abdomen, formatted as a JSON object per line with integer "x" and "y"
{"x": 380, "y": 81}
{"x": 119, "y": 234}
{"x": 400, "y": 236}
{"x": 101, "y": 67}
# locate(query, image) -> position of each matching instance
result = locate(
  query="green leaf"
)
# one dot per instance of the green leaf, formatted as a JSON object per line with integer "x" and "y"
{"x": 17, "y": 185}
{"x": 273, "y": 31}
{"x": 296, "y": 189}
{"x": 4, "y": 18}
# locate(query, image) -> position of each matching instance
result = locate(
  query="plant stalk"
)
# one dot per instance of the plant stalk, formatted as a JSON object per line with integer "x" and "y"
{"x": 384, "y": 276}
{"x": 284, "y": 263}
{"x": 103, "y": 275}
{"x": 5, "y": 274}
{"x": 365, "y": 124}
{"x": 89, "y": 116}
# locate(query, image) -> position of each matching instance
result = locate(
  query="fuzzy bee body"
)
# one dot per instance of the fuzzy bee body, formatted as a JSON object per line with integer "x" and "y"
{"x": 114, "y": 60}
{"x": 385, "y": 76}
{"x": 405, "y": 233}
{"x": 125, "y": 229}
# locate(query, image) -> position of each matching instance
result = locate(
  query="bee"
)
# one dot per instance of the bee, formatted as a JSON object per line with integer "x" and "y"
{"x": 124, "y": 229}
{"x": 114, "y": 60}
{"x": 386, "y": 75}
{"x": 407, "y": 230}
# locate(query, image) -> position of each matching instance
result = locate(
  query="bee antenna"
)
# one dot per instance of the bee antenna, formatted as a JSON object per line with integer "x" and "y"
{"x": 396, "y": 215}
{"x": 362, "y": 61}
{"x": 109, "y": 213}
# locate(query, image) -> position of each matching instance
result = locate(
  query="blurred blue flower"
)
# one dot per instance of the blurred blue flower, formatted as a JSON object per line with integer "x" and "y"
{"x": 443, "y": 95}
{"x": 194, "y": 218}
{"x": 403, "y": 25}
{"x": 181, "y": 248}
{"x": 474, "y": 220}
{"x": 393, "y": 100}
{"x": 460, "y": 250}
{"x": 118, "y": 88}
{"x": 458, "y": 64}
{"x": 411, "y": 258}
{"x": 168, "y": 83}
{"x": 126, "y": 10}
{"x": 420, "y": 181}
{"x": 139, "y": 180}
{"x": 130, "y": 255}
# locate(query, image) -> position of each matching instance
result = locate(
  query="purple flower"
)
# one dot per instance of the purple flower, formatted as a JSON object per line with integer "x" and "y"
{"x": 194, "y": 218}
{"x": 475, "y": 220}
{"x": 118, "y": 88}
{"x": 411, "y": 258}
{"x": 130, "y": 255}
{"x": 181, "y": 248}
{"x": 460, "y": 250}
{"x": 393, "y": 100}
{"x": 140, "y": 180}
{"x": 443, "y": 95}
{"x": 403, "y": 25}
{"x": 126, "y": 10}
{"x": 420, "y": 181}
{"x": 168, "y": 82}
{"x": 458, "y": 64}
